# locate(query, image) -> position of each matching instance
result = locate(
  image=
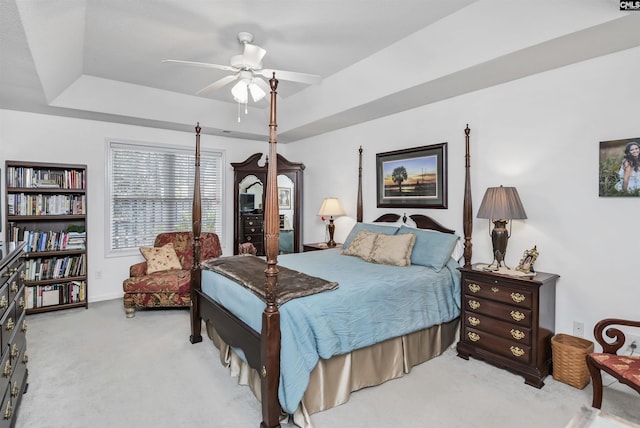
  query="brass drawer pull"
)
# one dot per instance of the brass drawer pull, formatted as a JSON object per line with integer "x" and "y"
{"x": 14, "y": 287}
{"x": 6, "y": 372}
{"x": 473, "y": 321}
{"x": 474, "y": 337}
{"x": 474, "y": 304}
{"x": 4, "y": 302}
{"x": 517, "y": 334}
{"x": 24, "y": 326}
{"x": 21, "y": 303}
{"x": 474, "y": 288}
{"x": 15, "y": 389}
{"x": 14, "y": 351}
{"x": 10, "y": 324}
{"x": 25, "y": 359}
{"x": 8, "y": 411}
{"x": 517, "y": 297}
{"x": 518, "y": 352}
{"x": 518, "y": 316}
{"x": 495, "y": 289}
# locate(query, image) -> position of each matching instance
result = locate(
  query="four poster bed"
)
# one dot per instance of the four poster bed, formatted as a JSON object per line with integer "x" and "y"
{"x": 306, "y": 331}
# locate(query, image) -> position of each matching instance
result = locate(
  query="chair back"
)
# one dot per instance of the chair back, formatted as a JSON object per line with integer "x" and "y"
{"x": 183, "y": 244}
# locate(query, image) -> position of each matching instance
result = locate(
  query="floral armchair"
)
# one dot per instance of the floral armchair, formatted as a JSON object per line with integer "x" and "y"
{"x": 147, "y": 288}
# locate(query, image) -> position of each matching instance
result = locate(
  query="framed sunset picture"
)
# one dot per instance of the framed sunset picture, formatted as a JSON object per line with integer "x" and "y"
{"x": 412, "y": 178}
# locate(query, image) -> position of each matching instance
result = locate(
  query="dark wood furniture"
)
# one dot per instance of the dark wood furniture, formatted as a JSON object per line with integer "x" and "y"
{"x": 624, "y": 369}
{"x": 250, "y": 179}
{"x": 262, "y": 349}
{"x": 13, "y": 363}
{"x": 508, "y": 321}
{"x": 317, "y": 246}
{"x": 47, "y": 206}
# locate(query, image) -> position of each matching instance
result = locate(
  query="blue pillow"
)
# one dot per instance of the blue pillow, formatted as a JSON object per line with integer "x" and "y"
{"x": 371, "y": 227}
{"x": 432, "y": 248}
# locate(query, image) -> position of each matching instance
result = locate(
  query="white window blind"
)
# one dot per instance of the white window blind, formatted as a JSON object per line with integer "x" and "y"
{"x": 151, "y": 191}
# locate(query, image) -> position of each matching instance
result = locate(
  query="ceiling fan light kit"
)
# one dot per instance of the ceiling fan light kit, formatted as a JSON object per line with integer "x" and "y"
{"x": 248, "y": 72}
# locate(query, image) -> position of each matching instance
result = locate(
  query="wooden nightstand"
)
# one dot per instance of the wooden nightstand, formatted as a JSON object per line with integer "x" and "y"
{"x": 317, "y": 246}
{"x": 508, "y": 321}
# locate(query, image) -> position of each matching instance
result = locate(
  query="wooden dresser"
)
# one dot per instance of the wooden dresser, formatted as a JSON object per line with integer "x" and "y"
{"x": 508, "y": 321}
{"x": 13, "y": 363}
{"x": 252, "y": 231}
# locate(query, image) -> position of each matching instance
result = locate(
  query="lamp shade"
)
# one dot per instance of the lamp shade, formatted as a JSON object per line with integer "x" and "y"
{"x": 331, "y": 207}
{"x": 501, "y": 203}
{"x": 239, "y": 91}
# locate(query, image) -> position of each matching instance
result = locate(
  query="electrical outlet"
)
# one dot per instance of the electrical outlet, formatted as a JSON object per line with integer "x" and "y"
{"x": 98, "y": 274}
{"x": 632, "y": 345}
{"x": 578, "y": 329}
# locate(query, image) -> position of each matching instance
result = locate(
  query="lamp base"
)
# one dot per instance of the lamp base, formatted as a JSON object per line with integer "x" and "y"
{"x": 499, "y": 239}
{"x": 332, "y": 228}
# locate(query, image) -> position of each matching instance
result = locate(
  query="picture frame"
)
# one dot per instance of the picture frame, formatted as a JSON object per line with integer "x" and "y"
{"x": 284, "y": 198}
{"x": 614, "y": 155}
{"x": 412, "y": 178}
{"x": 528, "y": 259}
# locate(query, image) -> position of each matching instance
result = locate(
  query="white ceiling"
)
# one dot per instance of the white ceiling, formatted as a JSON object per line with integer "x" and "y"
{"x": 101, "y": 59}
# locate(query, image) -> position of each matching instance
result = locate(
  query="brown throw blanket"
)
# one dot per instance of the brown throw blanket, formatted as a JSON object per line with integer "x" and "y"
{"x": 248, "y": 271}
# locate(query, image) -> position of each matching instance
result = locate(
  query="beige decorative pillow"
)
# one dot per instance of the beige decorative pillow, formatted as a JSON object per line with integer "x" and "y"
{"x": 161, "y": 258}
{"x": 393, "y": 249}
{"x": 361, "y": 245}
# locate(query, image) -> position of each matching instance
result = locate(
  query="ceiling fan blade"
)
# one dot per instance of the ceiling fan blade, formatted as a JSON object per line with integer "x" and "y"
{"x": 218, "y": 84}
{"x": 291, "y": 76}
{"x": 202, "y": 64}
{"x": 253, "y": 55}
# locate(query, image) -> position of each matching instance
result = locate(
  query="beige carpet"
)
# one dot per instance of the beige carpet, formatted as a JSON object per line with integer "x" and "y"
{"x": 94, "y": 368}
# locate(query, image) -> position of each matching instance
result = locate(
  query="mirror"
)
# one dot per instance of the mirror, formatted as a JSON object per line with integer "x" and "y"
{"x": 250, "y": 191}
{"x": 286, "y": 208}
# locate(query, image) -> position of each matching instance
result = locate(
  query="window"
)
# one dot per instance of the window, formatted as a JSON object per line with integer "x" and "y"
{"x": 151, "y": 191}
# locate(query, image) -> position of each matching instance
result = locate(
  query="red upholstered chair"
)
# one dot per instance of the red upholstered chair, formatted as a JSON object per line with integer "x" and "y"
{"x": 168, "y": 288}
{"x": 626, "y": 369}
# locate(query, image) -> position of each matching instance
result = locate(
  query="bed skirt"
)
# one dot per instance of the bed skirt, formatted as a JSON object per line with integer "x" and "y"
{"x": 333, "y": 380}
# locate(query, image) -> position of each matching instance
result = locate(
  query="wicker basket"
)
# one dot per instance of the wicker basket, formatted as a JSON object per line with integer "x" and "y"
{"x": 569, "y": 359}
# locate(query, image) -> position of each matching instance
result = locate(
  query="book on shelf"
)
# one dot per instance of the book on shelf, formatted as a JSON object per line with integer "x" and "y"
{"x": 50, "y": 297}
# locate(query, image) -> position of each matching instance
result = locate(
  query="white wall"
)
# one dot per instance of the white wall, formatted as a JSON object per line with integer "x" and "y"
{"x": 42, "y": 138}
{"x": 540, "y": 134}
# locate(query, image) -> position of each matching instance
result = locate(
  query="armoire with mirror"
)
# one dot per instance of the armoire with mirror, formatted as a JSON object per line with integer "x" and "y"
{"x": 248, "y": 185}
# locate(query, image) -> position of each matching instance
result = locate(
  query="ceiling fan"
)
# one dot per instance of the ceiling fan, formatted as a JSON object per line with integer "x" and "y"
{"x": 247, "y": 69}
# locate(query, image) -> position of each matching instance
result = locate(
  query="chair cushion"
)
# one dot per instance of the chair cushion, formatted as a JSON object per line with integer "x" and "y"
{"x": 174, "y": 281}
{"x": 625, "y": 366}
{"x": 160, "y": 259}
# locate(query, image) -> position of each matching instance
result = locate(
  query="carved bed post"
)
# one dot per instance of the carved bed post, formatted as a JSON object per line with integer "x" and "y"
{"x": 196, "y": 272}
{"x": 467, "y": 209}
{"x": 270, "y": 336}
{"x": 359, "y": 203}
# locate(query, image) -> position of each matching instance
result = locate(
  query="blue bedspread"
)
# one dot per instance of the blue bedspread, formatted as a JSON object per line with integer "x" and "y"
{"x": 372, "y": 303}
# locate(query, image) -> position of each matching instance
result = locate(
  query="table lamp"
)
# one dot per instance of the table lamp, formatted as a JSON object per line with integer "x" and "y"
{"x": 331, "y": 207}
{"x": 500, "y": 205}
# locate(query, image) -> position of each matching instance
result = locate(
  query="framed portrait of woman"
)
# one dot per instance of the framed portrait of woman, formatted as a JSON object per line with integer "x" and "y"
{"x": 620, "y": 167}
{"x": 527, "y": 260}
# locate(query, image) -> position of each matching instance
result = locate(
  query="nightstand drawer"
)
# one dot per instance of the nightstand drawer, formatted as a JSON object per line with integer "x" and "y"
{"x": 499, "y": 292}
{"x": 501, "y": 311}
{"x": 509, "y": 331}
{"x": 507, "y": 348}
